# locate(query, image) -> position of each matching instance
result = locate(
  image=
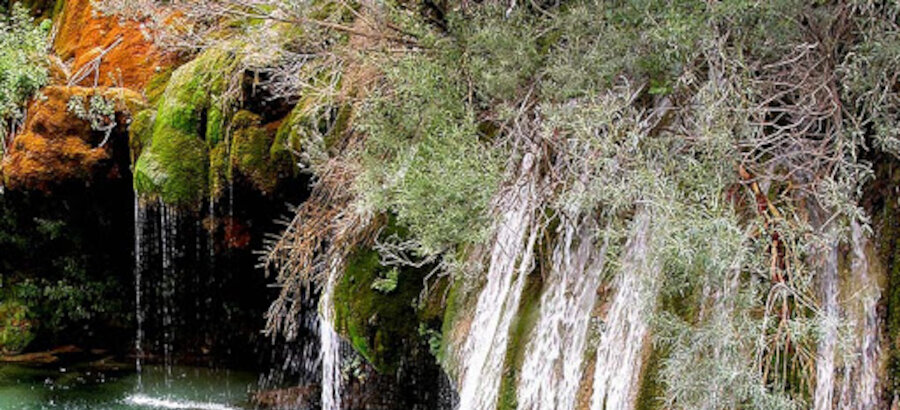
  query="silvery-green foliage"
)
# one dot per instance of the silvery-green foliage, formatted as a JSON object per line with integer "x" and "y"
{"x": 868, "y": 72}
{"x": 424, "y": 159}
{"x": 99, "y": 111}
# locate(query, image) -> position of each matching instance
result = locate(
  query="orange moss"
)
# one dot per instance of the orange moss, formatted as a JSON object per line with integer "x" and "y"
{"x": 83, "y": 34}
{"x": 55, "y": 145}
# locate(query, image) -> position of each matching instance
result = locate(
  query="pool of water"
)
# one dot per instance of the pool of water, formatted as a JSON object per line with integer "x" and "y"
{"x": 93, "y": 387}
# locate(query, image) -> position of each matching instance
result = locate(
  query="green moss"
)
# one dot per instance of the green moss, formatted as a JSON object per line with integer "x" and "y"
{"x": 451, "y": 314}
{"x": 196, "y": 144}
{"x": 341, "y": 122}
{"x": 140, "y": 131}
{"x": 219, "y": 170}
{"x": 15, "y": 327}
{"x": 382, "y": 327}
{"x": 251, "y": 152}
{"x": 174, "y": 169}
{"x": 522, "y": 326}
{"x": 58, "y": 7}
{"x": 286, "y": 138}
{"x": 889, "y": 235}
{"x": 173, "y": 166}
{"x": 652, "y": 388}
{"x": 244, "y": 119}
{"x": 157, "y": 85}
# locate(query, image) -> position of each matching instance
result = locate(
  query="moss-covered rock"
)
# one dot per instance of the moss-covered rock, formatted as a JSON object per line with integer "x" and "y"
{"x": 15, "y": 327}
{"x": 458, "y": 313}
{"x": 140, "y": 131}
{"x": 42, "y": 9}
{"x": 173, "y": 170}
{"x": 252, "y": 153}
{"x": 156, "y": 86}
{"x": 312, "y": 121}
{"x": 195, "y": 144}
{"x": 382, "y": 322}
{"x": 651, "y": 393}
{"x": 173, "y": 165}
{"x": 220, "y": 170}
{"x": 287, "y": 138}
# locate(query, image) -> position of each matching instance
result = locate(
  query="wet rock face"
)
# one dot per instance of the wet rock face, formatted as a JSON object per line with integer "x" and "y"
{"x": 56, "y": 146}
{"x": 298, "y": 397}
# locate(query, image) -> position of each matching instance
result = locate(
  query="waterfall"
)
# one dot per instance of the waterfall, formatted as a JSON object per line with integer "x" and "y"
{"x": 330, "y": 345}
{"x": 620, "y": 353}
{"x": 860, "y": 385}
{"x": 870, "y": 349}
{"x": 140, "y": 216}
{"x": 169, "y": 238}
{"x": 825, "y": 366}
{"x": 481, "y": 359}
{"x": 552, "y": 369}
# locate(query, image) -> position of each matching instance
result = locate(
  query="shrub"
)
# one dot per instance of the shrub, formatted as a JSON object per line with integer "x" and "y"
{"x": 424, "y": 159}
{"x": 23, "y": 67}
{"x": 15, "y": 327}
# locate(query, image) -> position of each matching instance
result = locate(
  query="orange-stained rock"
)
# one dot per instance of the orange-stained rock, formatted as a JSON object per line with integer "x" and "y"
{"x": 237, "y": 234}
{"x": 83, "y": 34}
{"x": 55, "y": 145}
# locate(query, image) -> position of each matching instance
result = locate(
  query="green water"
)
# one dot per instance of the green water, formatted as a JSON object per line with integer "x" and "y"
{"x": 87, "y": 387}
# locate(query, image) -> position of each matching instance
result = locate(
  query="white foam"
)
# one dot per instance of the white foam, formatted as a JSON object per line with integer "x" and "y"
{"x": 163, "y": 403}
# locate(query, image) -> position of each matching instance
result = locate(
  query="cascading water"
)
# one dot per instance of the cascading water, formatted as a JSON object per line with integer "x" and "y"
{"x": 330, "y": 345}
{"x": 825, "y": 360}
{"x": 481, "y": 359}
{"x": 552, "y": 369}
{"x": 296, "y": 363}
{"x": 168, "y": 235}
{"x": 626, "y": 330}
{"x": 140, "y": 216}
{"x": 870, "y": 352}
{"x": 859, "y": 387}
{"x": 156, "y": 251}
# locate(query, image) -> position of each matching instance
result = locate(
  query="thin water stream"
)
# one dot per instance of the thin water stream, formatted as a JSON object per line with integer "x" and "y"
{"x": 553, "y": 364}
{"x": 485, "y": 347}
{"x": 626, "y": 329}
{"x": 330, "y": 347}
